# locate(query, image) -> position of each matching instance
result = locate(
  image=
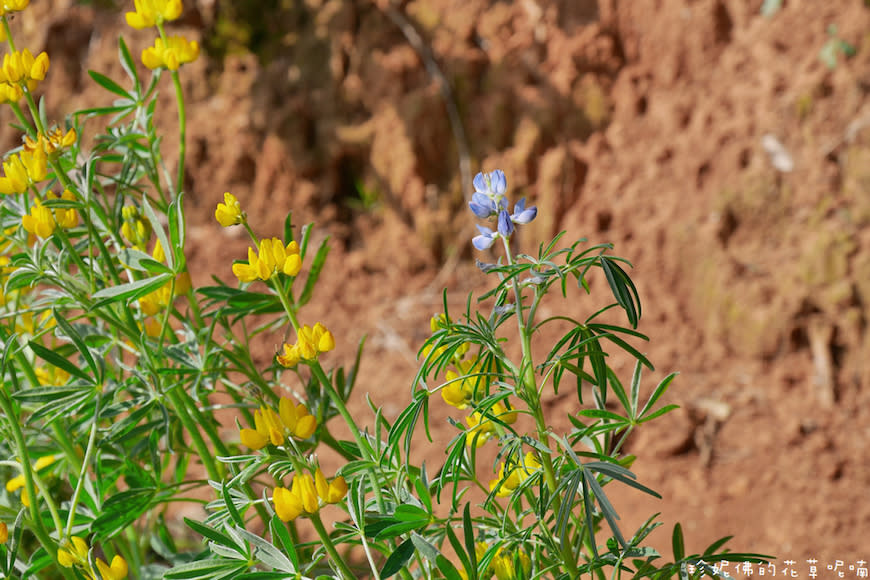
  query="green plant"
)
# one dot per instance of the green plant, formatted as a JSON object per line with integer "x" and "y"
{"x": 110, "y": 357}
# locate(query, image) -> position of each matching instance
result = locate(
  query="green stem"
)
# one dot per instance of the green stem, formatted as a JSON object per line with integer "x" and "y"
{"x": 182, "y": 131}
{"x": 83, "y": 472}
{"x": 29, "y": 477}
{"x": 342, "y": 566}
{"x": 8, "y": 31}
{"x": 533, "y": 399}
{"x": 363, "y": 444}
{"x": 205, "y": 454}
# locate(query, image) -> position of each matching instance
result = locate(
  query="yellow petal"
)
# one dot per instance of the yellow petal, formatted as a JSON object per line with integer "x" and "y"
{"x": 287, "y": 506}
{"x": 337, "y": 490}
{"x": 252, "y": 439}
{"x": 305, "y": 427}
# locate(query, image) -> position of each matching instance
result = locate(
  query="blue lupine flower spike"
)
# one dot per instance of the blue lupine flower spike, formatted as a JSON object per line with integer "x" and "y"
{"x": 488, "y": 201}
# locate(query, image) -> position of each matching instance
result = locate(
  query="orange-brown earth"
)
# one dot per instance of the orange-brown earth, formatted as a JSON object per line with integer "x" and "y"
{"x": 646, "y": 123}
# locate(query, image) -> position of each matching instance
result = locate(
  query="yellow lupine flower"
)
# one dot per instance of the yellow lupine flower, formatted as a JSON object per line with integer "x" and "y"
{"x": 332, "y": 492}
{"x": 310, "y": 343}
{"x": 480, "y": 428}
{"x": 9, "y": 93}
{"x": 40, "y": 220}
{"x": 503, "y": 564}
{"x": 229, "y": 213}
{"x": 170, "y": 53}
{"x": 20, "y": 67}
{"x": 7, "y": 6}
{"x": 4, "y": 533}
{"x": 306, "y": 493}
{"x": 514, "y": 475}
{"x": 152, "y": 12}
{"x": 273, "y": 258}
{"x": 76, "y": 554}
{"x": 19, "y": 482}
{"x": 65, "y": 217}
{"x": 117, "y": 571}
{"x": 21, "y": 170}
{"x": 158, "y": 300}
{"x": 51, "y": 142}
{"x": 51, "y": 376}
{"x": 135, "y": 229}
{"x": 273, "y": 427}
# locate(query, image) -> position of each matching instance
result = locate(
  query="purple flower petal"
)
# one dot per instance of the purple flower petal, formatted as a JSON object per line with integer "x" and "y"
{"x": 497, "y": 182}
{"x": 522, "y": 215}
{"x": 480, "y": 184}
{"x": 485, "y": 240}
{"x": 481, "y": 205}
{"x": 505, "y": 225}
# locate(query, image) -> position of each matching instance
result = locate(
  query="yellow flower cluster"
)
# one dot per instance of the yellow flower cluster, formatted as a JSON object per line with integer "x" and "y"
{"x": 21, "y": 170}
{"x": 51, "y": 142}
{"x": 42, "y": 221}
{"x": 4, "y": 533}
{"x": 306, "y": 494}
{"x": 153, "y": 13}
{"x": 7, "y": 6}
{"x": 502, "y": 563}
{"x": 21, "y": 70}
{"x": 76, "y": 554}
{"x": 135, "y": 229}
{"x": 310, "y": 343}
{"x": 511, "y": 477}
{"x": 481, "y": 427}
{"x": 170, "y": 53}
{"x": 51, "y": 376}
{"x": 462, "y": 387}
{"x": 272, "y": 427}
{"x": 274, "y": 258}
{"x": 18, "y": 482}
{"x": 229, "y": 213}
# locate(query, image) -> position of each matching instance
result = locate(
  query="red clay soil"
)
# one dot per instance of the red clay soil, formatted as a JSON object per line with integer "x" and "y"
{"x": 713, "y": 145}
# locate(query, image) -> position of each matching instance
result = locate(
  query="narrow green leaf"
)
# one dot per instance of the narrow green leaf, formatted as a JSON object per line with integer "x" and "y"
{"x": 468, "y": 528}
{"x": 73, "y": 335}
{"x": 129, "y": 65}
{"x": 156, "y": 226}
{"x": 660, "y": 390}
{"x": 280, "y": 533}
{"x": 447, "y": 568}
{"x": 314, "y": 272}
{"x": 59, "y": 361}
{"x": 658, "y": 413}
{"x": 213, "y": 535}
{"x": 231, "y": 507}
{"x": 677, "y": 543}
{"x": 129, "y": 290}
{"x": 460, "y": 552}
{"x": 177, "y": 227}
{"x": 109, "y": 84}
{"x": 398, "y": 559}
{"x": 410, "y": 513}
